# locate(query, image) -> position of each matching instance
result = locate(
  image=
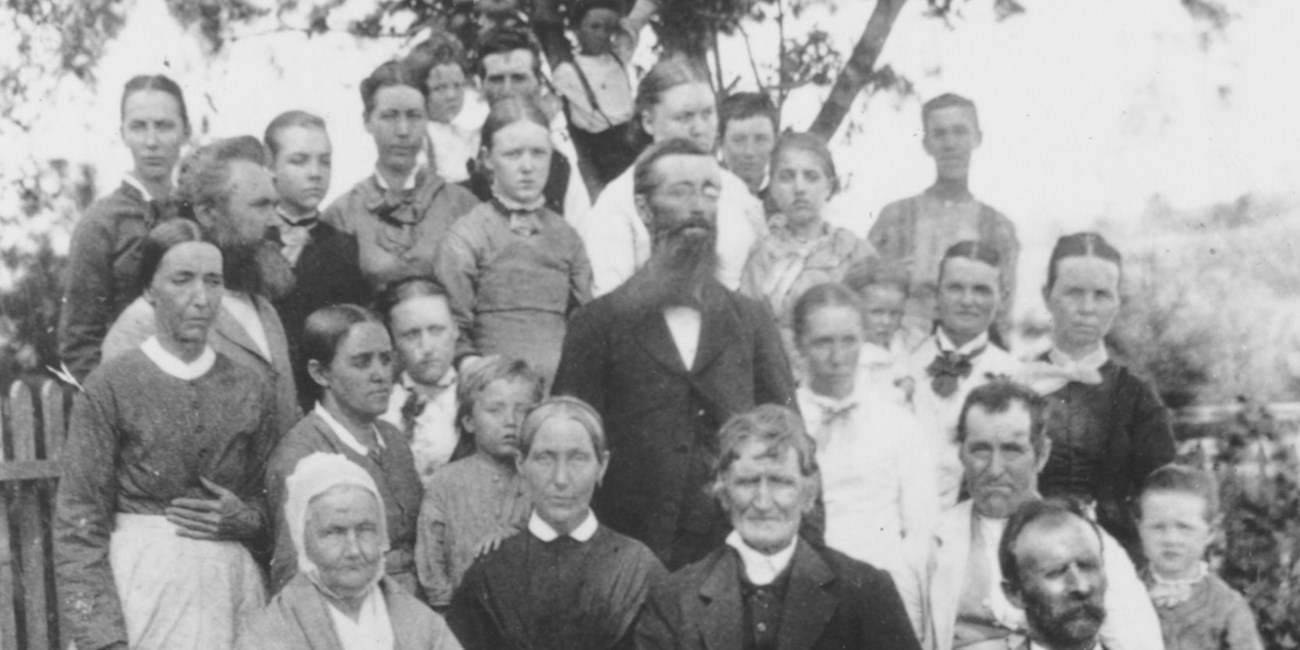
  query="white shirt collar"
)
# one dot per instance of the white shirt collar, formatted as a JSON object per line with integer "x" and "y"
{"x": 447, "y": 380}
{"x": 173, "y": 365}
{"x": 408, "y": 184}
{"x": 131, "y": 180}
{"x": 543, "y": 531}
{"x": 1093, "y": 360}
{"x": 761, "y": 569}
{"x": 342, "y": 433}
{"x": 946, "y": 345}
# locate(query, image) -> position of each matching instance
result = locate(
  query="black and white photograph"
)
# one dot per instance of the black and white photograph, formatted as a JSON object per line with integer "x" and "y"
{"x": 649, "y": 325}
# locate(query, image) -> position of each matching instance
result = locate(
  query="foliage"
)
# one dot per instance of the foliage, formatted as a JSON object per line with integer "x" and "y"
{"x": 32, "y": 258}
{"x": 1255, "y": 457}
{"x": 1210, "y": 307}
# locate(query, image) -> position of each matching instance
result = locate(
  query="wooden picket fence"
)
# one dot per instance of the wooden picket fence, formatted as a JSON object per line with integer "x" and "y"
{"x": 32, "y": 428}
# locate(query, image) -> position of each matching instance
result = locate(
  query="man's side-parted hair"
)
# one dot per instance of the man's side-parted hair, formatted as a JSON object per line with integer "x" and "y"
{"x": 507, "y": 38}
{"x": 743, "y": 106}
{"x": 203, "y": 180}
{"x": 1053, "y": 512}
{"x": 947, "y": 100}
{"x": 997, "y": 397}
{"x": 286, "y": 120}
{"x": 486, "y": 371}
{"x": 644, "y": 179}
{"x": 775, "y": 427}
{"x": 399, "y": 291}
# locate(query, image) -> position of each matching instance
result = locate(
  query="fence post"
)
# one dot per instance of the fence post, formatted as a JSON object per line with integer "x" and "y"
{"x": 32, "y": 528}
{"x": 8, "y": 606}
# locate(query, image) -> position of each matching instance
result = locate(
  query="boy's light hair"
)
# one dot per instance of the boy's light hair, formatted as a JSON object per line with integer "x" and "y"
{"x": 1184, "y": 480}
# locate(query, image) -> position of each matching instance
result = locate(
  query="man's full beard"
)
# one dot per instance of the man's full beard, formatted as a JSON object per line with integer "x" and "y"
{"x": 1066, "y": 625}
{"x": 257, "y": 268}
{"x": 682, "y": 262}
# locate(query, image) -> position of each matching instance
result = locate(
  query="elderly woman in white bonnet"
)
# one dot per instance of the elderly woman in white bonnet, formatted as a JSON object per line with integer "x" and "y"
{"x": 340, "y": 598}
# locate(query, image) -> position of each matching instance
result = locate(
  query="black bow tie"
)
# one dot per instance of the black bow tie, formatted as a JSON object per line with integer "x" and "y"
{"x": 948, "y": 368}
{"x": 305, "y": 222}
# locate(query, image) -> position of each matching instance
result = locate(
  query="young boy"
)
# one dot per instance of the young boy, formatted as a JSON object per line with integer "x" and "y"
{"x": 596, "y": 88}
{"x": 1198, "y": 611}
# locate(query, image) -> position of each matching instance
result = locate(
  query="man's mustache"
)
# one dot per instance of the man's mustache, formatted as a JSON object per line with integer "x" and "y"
{"x": 692, "y": 222}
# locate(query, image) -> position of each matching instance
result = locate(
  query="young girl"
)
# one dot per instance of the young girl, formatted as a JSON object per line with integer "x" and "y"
{"x": 104, "y": 262}
{"x": 877, "y": 482}
{"x": 596, "y": 88}
{"x": 454, "y": 118}
{"x": 1198, "y": 610}
{"x": 883, "y": 291}
{"x": 802, "y": 249}
{"x": 475, "y": 502}
{"x": 514, "y": 269}
{"x": 401, "y": 212}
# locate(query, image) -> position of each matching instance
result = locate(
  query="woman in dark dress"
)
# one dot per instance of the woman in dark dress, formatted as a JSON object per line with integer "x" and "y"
{"x": 1109, "y": 429}
{"x": 350, "y": 357}
{"x": 104, "y": 261}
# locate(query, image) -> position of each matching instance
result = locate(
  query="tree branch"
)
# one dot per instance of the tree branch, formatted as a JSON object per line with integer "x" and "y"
{"x": 857, "y": 71}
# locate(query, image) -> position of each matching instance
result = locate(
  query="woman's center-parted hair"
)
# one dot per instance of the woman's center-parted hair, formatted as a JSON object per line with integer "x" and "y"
{"x": 325, "y": 329}
{"x": 569, "y": 408}
{"x": 1081, "y": 244}
{"x": 821, "y": 296}
{"x": 973, "y": 250}
{"x": 160, "y": 83}
{"x": 507, "y": 111}
{"x": 164, "y": 237}
{"x": 810, "y": 144}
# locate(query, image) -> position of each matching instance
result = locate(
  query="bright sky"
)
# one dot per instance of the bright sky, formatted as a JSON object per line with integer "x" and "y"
{"x": 1088, "y": 109}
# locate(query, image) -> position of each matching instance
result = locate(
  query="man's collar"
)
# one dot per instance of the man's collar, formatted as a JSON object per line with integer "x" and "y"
{"x": 543, "y": 531}
{"x": 173, "y": 365}
{"x": 447, "y": 380}
{"x": 306, "y": 220}
{"x": 760, "y": 568}
{"x": 1034, "y": 646}
{"x": 946, "y": 345}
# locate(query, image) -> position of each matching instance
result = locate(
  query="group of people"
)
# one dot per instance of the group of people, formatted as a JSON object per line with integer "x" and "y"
{"x": 465, "y": 405}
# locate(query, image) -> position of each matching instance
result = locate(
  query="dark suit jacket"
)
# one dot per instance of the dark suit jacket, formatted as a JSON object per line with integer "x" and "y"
{"x": 328, "y": 272}
{"x": 832, "y": 602}
{"x": 661, "y": 418}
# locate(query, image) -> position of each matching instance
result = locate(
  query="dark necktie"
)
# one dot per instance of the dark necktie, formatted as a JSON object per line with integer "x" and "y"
{"x": 948, "y": 369}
